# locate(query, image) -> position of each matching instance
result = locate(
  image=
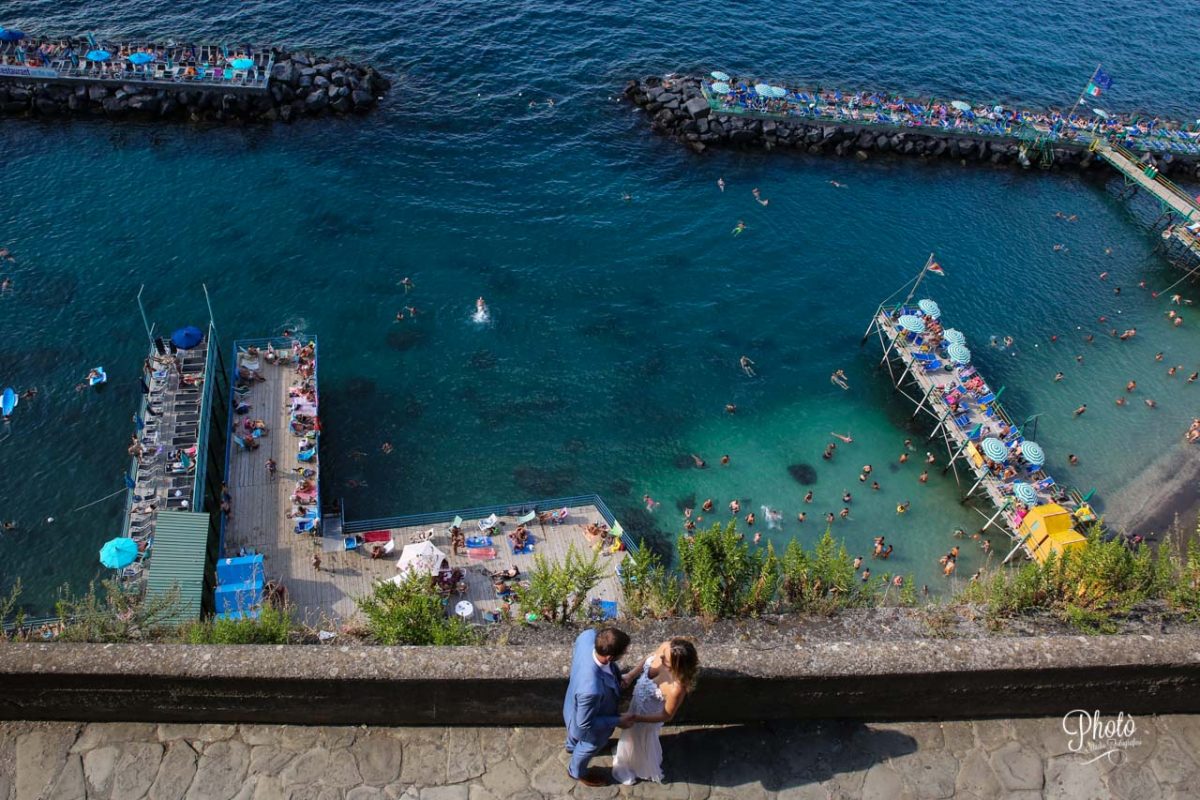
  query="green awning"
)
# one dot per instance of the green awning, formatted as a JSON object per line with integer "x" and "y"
{"x": 178, "y": 558}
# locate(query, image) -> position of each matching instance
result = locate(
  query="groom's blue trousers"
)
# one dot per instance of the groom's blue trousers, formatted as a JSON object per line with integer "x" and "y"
{"x": 581, "y": 753}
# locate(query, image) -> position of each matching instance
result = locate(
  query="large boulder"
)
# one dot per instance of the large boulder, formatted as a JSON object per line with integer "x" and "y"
{"x": 115, "y": 105}
{"x": 362, "y": 99}
{"x": 97, "y": 93}
{"x": 47, "y": 106}
{"x": 301, "y": 59}
{"x": 285, "y": 73}
{"x": 697, "y": 107}
{"x": 316, "y": 102}
{"x": 342, "y": 105}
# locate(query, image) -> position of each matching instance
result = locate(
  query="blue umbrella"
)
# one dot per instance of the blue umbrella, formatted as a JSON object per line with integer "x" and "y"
{"x": 721, "y": 76}
{"x": 141, "y": 58}
{"x": 98, "y": 55}
{"x": 994, "y": 449}
{"x": 911, "y": 323}
{"x": 119, "y": 553}
{"x": 720, "y": 87}
{"x": 1025, "y": 493}
{"x": 954, "y": 336}
{"x": 958, "y": 353}
{"x": 187, "y": 338}
{"x": 243, "y": 63}
{"x": 930, "y": 308}
{"x": 11, "y": 35}
{"x": 1032, "y": 452}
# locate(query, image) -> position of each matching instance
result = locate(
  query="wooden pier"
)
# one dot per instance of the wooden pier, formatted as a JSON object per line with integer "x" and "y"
{"x": 264, "y": 515}
{"x": 925, "y": 376}
{"x": 159, "y": 64}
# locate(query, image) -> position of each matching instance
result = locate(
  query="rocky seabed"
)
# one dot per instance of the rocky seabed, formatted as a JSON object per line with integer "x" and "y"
{"x": 677, "y": 108}
{"x": 301, "y": 85}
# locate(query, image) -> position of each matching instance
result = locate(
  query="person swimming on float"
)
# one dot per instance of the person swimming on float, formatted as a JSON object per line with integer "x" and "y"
{"x": 737, "y": 230}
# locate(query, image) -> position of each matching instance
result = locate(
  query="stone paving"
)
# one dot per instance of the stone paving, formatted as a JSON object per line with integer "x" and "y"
{"x": 1023, "y": 758}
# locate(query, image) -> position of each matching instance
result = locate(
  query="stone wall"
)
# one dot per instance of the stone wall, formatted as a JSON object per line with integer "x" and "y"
{"x": 301, "y": 85}
{"x": 677, "y": 108}
{"x": 763, "y": 678}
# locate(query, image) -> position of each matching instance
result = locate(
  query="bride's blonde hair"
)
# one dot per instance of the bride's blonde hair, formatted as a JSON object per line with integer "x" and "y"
{"x": 685, "y": 663}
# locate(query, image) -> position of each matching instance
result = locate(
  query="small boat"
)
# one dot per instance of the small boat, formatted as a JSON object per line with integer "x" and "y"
{"x": 97, "y": 377}
{"x": 8, "y": 401}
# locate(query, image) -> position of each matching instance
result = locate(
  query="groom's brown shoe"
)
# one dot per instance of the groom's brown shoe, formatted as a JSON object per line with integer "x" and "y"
{"x": 594, "y": 778}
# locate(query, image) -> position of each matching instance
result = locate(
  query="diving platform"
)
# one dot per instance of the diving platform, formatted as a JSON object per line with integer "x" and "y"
{"x": 158, "y": 64}
{"x": 999, "y": 470}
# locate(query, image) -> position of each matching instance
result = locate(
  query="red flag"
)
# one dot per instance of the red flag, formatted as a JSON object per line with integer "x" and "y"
{"x": 936, "y": 268}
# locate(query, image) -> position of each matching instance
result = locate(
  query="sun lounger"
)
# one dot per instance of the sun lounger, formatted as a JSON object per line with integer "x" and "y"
{"x": 489, "y": 523}
{"x": 528, "y": 518}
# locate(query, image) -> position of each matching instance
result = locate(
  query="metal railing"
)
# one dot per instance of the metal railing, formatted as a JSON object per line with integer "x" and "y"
{"x": 1161, "y": 180}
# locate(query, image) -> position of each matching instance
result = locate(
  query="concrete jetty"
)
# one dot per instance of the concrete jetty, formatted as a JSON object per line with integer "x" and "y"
{"x": 685, "y": 108}
{"x": 58, "y": 76}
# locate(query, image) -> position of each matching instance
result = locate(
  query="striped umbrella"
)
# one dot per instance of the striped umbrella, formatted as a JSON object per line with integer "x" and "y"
{"x": 1025, "y": 493}
{"x": 720, "y": 87}
{"x": 763, "y": 89}
{"x": 721, "y": 76}
{"x": 911, "y": 323}
{"x": 958, "y": 353}
{"x": 778, "y": 91}
{"x": 1032, "y": 452}
{"x": 930, "y": 308}
{"x": 994, "y": 449}
{"x": 954, "y": 336}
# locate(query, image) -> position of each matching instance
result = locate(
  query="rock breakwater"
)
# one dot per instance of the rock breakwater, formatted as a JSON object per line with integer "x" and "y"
{"x": 676, "y": 107}
{"x": 300, "y": 85}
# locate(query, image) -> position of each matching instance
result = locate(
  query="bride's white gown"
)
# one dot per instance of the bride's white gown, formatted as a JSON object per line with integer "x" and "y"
{"x": 639, "y": 753}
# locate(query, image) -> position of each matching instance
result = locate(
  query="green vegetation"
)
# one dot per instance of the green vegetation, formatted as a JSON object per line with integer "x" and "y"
{"x": 7, "y": 606}
{"x": 273, "y": 626}
{"x": 412, "y": 614}
{"x": 1091, "y": 587}
{"x": 558, "y": 592}
{"x": 116, "y": 613}
{"x": 722, "y": 576}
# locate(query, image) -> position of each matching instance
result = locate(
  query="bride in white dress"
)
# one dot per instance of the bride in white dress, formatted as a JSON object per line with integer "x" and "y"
{"x": 665, "y": 679}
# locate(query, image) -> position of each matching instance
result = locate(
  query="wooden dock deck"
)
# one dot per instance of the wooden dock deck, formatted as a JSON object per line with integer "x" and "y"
{"x": 259, "y": 521}
{"x": 979, "y": 416}
{"x": 1169, "y": 196}
{"x": 177, "y": 65}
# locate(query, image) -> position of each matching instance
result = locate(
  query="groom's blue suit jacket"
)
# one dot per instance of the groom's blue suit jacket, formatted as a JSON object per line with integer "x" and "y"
{"x": 590, "y": 709}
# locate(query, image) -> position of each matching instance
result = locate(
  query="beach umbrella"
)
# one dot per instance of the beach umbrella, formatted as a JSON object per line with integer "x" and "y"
{"x": 960, "y": 105}
{"x": 187, "y": 338}
{"x": 1025, "y": 493}
{"x": 777, "y": 91}
{"x": 422, "y": 558}
{"x": 1100, "y": 112}
{"x": 954, "y": 336}
{"x": 994, "y": 449}
{"x": 11, "y": 35}
{"x": 718, "y": 75}
{"x": 119, "y": 553}
{"x": 243, "y": 63}
{"x": 998, "y": 109}
{"x": 720, "y": 88}
{"x": 930, "y": 308}
{"x": 1032, "y": 452}
{"x": 959, "y": 354}
{"x": 140, "y": 58}
{"x": 763, "y": 89}
{"x": 911, "y": 323}
{"x": 98, "y": 55}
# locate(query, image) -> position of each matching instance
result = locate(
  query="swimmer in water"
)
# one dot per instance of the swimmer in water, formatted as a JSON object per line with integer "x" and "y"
{"x": 837, "y": 185}
{"x": 407, "y": 284}
{"x": 698, "y": 461}
{"x": 845, "y": 438}
{"x": 627, "y": 197}
{"x": 747, "y": 365}
{"x": 838, "y": 378}
{"x": 651, "y": 503}
{"x": 6, "y": 285}
{"x": 721, "y": 184}
{"x": 399, "y": 316}
{"x": 481, "y": 311}
{"x": 737, "y": 230}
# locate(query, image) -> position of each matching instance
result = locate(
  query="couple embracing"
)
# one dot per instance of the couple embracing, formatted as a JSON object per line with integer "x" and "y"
{"x": 591, "y": 709}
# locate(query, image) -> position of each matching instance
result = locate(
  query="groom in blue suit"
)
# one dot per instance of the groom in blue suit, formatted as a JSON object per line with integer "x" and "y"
{"x": 590, "y": 708}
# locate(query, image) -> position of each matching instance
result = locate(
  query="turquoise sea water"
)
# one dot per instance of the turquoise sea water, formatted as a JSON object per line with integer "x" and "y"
{"x": 617, "y": 325}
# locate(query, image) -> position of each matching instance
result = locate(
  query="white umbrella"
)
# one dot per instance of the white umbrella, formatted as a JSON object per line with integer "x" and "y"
{"x": 960, "y": 105}
{"x": 421, "y": 558}
{"x": 720, "y": 87}
{"x": 1100, "y": 112}
{"x": 763, "y": 89}
{"x": 721, "y": 76}
{"x": 778, "y": 91}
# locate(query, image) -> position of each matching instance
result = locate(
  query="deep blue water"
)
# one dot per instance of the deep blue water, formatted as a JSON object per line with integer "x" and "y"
{"x": 617, "y": 325}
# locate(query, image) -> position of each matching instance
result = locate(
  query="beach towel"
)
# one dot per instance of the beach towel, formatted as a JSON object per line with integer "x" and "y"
{"x": 479, "y": 541}
{"x": 481, "y": 553}
{"x": 377, "y": 537}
